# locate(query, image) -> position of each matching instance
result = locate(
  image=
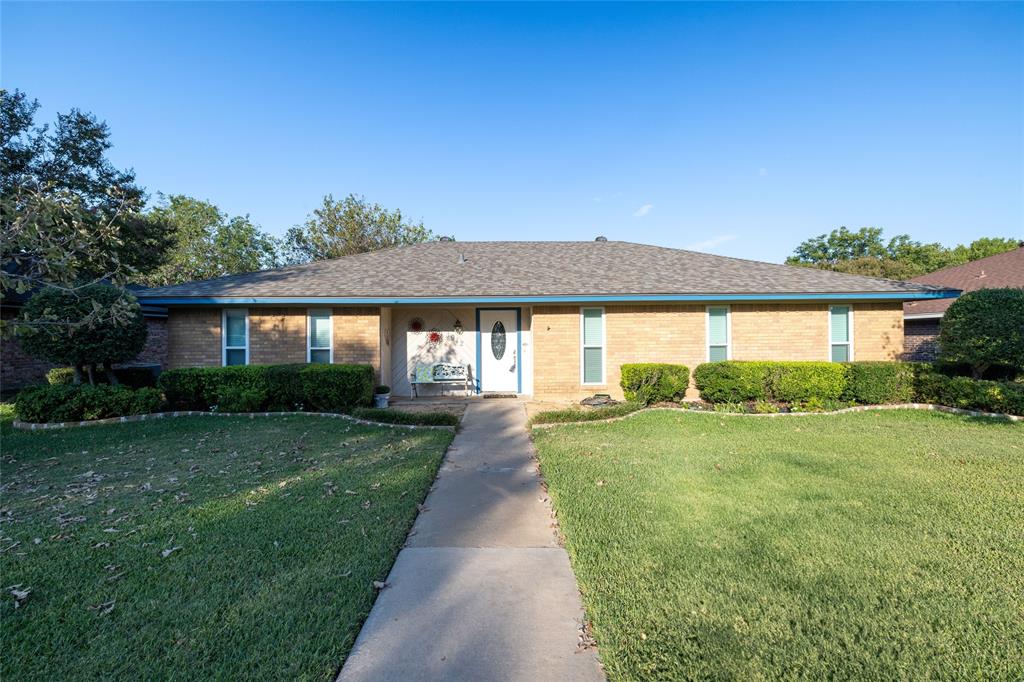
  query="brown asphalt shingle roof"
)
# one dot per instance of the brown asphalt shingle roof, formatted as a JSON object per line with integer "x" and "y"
{"x": 1001, "y": 270}
{"x": 553, "y": 269}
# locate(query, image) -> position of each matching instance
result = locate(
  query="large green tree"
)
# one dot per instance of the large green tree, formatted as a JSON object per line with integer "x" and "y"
{"x": 350, "y": 226}
{"x": 68, "y": 160}
{"x": 865, "y": 252}
{"x": 208, "y": 243}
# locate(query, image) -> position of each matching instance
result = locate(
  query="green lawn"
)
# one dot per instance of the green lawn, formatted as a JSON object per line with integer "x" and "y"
{"x": 873, "y": 545}
{"x": 201, "y": 547}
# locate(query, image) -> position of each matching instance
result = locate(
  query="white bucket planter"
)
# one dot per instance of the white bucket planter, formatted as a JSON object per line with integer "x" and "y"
{"x": 381, "y": 399}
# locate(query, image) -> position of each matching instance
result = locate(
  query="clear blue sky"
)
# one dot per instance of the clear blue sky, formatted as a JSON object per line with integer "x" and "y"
{"x": 734, "y": 128}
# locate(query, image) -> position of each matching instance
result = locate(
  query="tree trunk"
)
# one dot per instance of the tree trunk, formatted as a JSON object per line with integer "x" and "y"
{"x": 111, "y": 377}
{"x": 978, "y": 371}
{"x": 78, "y": 374}
{"x": 92, "y": 374}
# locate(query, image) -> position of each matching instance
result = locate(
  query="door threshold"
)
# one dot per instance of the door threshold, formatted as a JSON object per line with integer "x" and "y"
{"x": 499, "y": 395}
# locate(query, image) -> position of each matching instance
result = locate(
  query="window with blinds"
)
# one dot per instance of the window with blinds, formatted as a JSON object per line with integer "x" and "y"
{"x": 592, "y": 345}
{"x": 840, "y": 331}
{"x": 718, "y": 333}
{"x": 235, "y": 333}
{"x": 319, "y": 337}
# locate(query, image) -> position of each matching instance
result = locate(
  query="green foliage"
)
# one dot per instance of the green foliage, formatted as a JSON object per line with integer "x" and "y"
{"x": 731, "y": 381}
{"x": 66, "y": 207}
{"x": 387, "y": 416}
{"x": 64, "y": 403}
{"x": 791, "y": 382}
{"x": 207, "y": 243}
{"x": 591, "y": 414}
{"x": 257, "y": 388}
{"x": 61, "y": 376}
{"x": 347, "y": 227}
{"x": 132, "y": 377}
{"x": 337, "y": 388}
{"x": 1005, "y": 397}
{"x": 654, "y": 382}
{"x": 863, "y": 252}
{"x": 61, "y": 337}
{"x": 984, "y": 328}
{"x": 877, "y": 383}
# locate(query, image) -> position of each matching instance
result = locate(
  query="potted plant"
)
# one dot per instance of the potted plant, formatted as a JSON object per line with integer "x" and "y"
{"x": 381, "y": 396}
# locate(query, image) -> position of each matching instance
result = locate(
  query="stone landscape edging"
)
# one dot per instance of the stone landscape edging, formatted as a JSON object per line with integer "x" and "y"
{"x": 32, "y": 426}
{"x": 857, "y": 408}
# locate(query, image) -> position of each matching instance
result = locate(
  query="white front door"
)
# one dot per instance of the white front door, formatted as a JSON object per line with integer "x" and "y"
{"x": 499, "y": 351}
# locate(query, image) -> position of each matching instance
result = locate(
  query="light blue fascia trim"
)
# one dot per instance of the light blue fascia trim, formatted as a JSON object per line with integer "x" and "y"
{"x": 652, "y": 298}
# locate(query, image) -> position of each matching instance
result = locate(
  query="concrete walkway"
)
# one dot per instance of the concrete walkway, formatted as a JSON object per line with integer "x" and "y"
{"x": 482, "y": 591}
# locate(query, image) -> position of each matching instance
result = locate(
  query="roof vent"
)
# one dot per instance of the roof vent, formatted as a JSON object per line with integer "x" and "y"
{"x": 601, "y": 238}
{"x": 444, "y": 238}
{"x": 462, "y": 259}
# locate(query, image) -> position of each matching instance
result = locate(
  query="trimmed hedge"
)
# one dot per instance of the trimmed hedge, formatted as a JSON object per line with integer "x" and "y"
{"x": 652, "y": 382}
{"x": 258, "y": 388}
{"x": 63, "y": 403}
{"x": 878, "y": 383}
{"x": 132, "y": 377}
{"x": 386, "y": 416}
{"x": 732, "y": 381}
{"x": 969, "y": 394}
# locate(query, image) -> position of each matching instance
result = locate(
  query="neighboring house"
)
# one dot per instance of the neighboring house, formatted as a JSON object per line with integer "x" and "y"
{"x": 548, "y": 319}
{"x": 921, "y": 318}
{"x": 19, "y": 369}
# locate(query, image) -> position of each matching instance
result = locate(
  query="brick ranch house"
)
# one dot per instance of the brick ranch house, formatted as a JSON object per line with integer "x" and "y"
{"x": 548, "y": 319}
{"x": 921, "y": 318}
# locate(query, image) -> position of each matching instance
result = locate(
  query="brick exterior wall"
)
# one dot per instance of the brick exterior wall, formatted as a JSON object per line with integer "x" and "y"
{"x": 276, "y": 336}
{"x": 921, "y": 340}
{"x": 677, "y": 334}
{"x": 18, "y": 369}
{"x": 193, "y": 337}
{"x": 357, "y": 336}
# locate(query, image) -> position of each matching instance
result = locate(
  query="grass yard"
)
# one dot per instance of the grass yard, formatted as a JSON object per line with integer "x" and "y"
{"x": 200, "y": 547}
{"x": 872, "y": 545}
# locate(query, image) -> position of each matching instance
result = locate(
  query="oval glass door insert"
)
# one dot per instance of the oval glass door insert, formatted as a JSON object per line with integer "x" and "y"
{"x": 498, "y": 340}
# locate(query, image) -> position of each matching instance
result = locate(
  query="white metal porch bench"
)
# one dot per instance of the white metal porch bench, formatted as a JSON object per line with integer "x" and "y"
{"x": 441, "y": 374}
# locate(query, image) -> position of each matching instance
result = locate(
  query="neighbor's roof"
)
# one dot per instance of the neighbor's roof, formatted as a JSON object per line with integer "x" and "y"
{"x": 547, "y": 270}
{"x": 1001, "y": 270}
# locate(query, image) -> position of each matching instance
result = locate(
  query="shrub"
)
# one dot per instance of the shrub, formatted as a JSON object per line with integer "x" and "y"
{"x": 970, "y": 394}
{"x": 793, "y": 382}
{"x": 877, "y": 383}
{"x": 325, "y": 388}
{"x": 132, "y": 377}
{"x": 61, "y": 376}
{"x": 387, "y": 416}
{"x": 61, "y": 403}
{"x": 652, "y": 382}
{"x": 117, "y": 335}
{"x": 984, "y": 328}
{"x": 733, "y": 381}
{"x": 578, "y": 415}
{"x": 337, "y": 388}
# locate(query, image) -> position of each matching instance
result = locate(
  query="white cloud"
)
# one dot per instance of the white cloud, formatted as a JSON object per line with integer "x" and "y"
{"x": 711, "y": 244}
{"x": 643, "y": 210}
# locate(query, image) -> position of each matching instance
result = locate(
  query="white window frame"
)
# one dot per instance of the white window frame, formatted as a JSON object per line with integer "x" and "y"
{"x": 728, "y": 331}
{"x": 849, "y": 326}
{"x": 309, "y": 333}
{"x": 604, "y": 346}
{"x": 224, "y": 335}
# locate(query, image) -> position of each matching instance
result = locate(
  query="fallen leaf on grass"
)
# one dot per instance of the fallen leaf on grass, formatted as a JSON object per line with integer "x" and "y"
{"x": 19, "y": 595}
{"x": 167, "y": 552}
{"x": 378, "y": 585}
{"x": 104, "y": 608}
